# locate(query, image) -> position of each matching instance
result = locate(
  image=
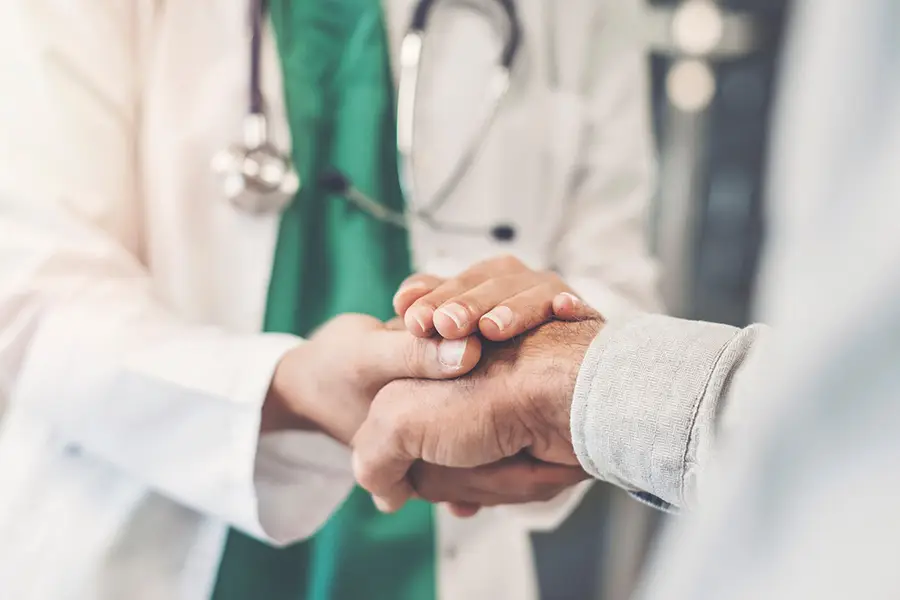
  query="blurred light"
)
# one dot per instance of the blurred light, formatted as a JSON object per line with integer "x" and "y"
{"x": 697, "y": 27}
{"x": 690, "y": 85}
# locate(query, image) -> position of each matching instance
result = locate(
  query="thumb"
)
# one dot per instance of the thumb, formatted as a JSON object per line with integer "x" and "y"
{"x": 390, "y": 355}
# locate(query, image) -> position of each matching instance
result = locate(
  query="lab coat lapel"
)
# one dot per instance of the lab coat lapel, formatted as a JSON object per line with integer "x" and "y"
{"x": 396, "y": 17}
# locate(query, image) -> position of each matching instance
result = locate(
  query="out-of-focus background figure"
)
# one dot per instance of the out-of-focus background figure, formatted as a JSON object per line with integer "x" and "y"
{"x": 714, "y": 67}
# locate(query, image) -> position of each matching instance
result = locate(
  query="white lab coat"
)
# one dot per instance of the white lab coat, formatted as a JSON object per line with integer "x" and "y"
{"x": 131, "y": 294}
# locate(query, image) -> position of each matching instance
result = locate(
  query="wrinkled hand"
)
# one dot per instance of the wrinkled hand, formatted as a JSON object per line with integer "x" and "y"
{"x": 500, "y": 298}
{"x": 518, "y": 399}
{"x": 328, "y": 382}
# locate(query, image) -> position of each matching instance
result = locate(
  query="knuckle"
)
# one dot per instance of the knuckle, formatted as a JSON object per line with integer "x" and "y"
{"x": 414, "y": 356}
{"x": 468, "y": 302}
{"x": 365, "y": 473}
{"x": 509, "y": 262}
{"x": 427, "y": 302}
{"x": 378, "y": 423}
{"x": 420, "y": 280}
{"x": 552, "y": 279}
{"x": 402, "y": 423}
{"x": 347, "y": 322}
{"x": 389, "y": 414}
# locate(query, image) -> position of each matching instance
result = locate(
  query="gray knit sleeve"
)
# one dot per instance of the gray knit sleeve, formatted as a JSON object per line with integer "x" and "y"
{"x": 647, "y": 399}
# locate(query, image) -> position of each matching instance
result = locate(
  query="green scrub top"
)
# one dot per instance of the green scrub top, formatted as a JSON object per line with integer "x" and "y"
{"x": 331, "y": 259}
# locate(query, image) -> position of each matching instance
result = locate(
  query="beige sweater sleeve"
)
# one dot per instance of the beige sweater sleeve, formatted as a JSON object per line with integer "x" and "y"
{"x": 648, "y": 399}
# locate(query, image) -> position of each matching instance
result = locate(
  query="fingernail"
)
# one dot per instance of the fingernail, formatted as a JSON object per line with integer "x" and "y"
{"x": 456, "y": 313}
{"x": 450, "y": 352}
{"x": 381, "y": 504}
{"x": 575, "y": 299}
{"x": 502, "y": 317}
{"x": 417, "y": 316}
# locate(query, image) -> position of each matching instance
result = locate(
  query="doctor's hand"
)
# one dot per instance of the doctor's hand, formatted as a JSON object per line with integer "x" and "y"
{"x": 500, "y": 298}
{"x": 518, "y": 399}
{"x": 328, "y": 382}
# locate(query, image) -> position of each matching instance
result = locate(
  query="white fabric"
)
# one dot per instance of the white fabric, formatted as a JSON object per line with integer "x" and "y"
{"x": 131, "y": 294}
{"x": 803, "y": 503}
{"x": 798, "y": 498}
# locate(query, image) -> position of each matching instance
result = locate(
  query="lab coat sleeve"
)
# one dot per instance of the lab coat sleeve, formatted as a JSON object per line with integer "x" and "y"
{"x": 86, "y": 346}
{"x": 602, "y": 250}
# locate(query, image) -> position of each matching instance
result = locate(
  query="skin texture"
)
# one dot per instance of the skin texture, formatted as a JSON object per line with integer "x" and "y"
{"x": 499, "y": 298}
{"x": 516, "y": 401}
{"x": 328, "y": 384}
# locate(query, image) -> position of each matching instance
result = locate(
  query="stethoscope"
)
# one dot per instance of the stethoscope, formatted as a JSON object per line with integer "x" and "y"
{"x": 258, "y": 178}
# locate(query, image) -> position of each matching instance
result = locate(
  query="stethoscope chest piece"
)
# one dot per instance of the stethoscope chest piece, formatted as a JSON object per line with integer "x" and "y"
{"x": 256, "y": 177}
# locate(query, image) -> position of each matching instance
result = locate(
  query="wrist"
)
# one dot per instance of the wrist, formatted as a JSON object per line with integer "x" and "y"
{"x": 556, "y": 388}
{"x": 283, "y": 408}
{"x": 305, "y": 395}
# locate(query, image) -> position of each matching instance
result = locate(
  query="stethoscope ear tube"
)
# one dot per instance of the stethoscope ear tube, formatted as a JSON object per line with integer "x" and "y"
{"x": 410, "y": 62}
{"x": 259, "y": 178}
{"x": 514, "y": 38}
{"x": 515, "y": 34}
{"x": 420, "y": 16}
{"x": 257, "y": 11}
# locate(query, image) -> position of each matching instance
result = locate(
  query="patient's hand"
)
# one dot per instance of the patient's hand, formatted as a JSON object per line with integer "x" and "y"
{"x": 515, "y": 480}
{"x": 516, "y": 401}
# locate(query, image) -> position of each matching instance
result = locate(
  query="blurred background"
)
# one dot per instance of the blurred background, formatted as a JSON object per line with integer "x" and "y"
{"x": 713, "y": 66}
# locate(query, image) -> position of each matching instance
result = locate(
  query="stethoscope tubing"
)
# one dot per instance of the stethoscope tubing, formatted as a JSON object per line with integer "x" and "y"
{"x": 410, "y": 61}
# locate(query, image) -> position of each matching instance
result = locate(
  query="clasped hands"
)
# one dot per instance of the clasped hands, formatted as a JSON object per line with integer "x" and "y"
{"x": 463, "y": 399}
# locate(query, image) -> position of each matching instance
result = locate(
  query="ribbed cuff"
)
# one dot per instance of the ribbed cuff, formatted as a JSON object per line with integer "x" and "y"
{"x": 637, "y": 399}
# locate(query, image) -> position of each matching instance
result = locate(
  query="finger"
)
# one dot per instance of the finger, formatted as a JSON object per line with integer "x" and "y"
{"x": 395, "y": 324}
{"x": 569, "y": 307}
{"x": 463, "y": 510}
{"x": 385, "y": 355}
{"x": 395, "y": 501}
{"x": 413, "y": 288}
{"x": 419, "y": 318}
{"x": 511, "y": 481}
{"x": 522, "y": 312}
{"x": 533, "y": 481}
{"x": 458, "y": 316}
{"x": 380, "y": 465}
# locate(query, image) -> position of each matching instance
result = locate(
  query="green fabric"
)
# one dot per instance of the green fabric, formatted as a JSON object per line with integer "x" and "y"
{"x": 332, "y": 259}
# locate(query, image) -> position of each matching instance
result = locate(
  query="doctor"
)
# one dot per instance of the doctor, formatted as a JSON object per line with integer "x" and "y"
{"x": 136, "y": 459}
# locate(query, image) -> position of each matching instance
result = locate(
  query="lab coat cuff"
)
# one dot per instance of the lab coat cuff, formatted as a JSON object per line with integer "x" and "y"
{"x": 180, "y": 412}
{"x": 638, "y": 393}
{"x": 287, "y": 483}
{"x": 300, "y": 479}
